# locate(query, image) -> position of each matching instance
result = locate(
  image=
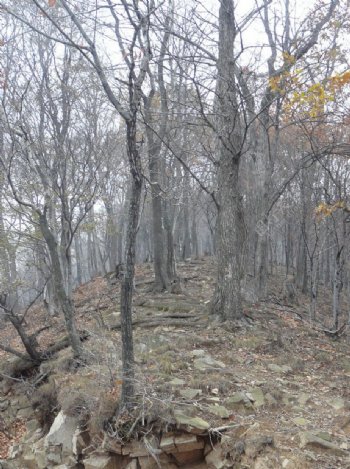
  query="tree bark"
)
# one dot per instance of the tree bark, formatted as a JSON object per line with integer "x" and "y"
{"x": 129, "y": 273}
{"x": 64, "y": 301}
{"x": 227, "y": 300}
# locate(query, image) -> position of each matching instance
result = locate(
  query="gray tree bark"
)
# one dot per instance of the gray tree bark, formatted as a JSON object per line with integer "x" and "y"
{"x": 227, "y": 301}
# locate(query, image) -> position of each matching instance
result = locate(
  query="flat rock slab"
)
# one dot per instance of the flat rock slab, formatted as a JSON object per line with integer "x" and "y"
{"x": 256, "y": 396}
{"x": 314, "y": 440}
{"x": 190, "y": 393}
{"x": 219, "y": 411}
{"x": 61, "y": 432}
{"x": 194, "y": 423}
{"x": 279, "y": 368}
{"x": 207, "y": 362}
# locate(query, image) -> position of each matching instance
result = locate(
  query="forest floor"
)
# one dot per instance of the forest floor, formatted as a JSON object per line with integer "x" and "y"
{"x": 277, "y": 377}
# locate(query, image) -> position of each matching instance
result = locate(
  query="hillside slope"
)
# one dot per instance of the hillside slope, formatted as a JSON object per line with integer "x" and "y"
{"x": 275, "y": 391}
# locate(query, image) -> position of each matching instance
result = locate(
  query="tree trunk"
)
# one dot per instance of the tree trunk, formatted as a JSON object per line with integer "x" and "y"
{"x": 127, "y": 285}
{"x": 64, "y": 301}
{"x": 162, "y": 280}
{"x": 337, "y": 288}
{"x": 78, "y": 258}
{"x": 227, "y": 300}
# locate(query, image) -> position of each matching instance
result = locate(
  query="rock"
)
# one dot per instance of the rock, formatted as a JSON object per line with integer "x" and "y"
{"x": 6, "y": 465}
{"x": 15, "y": 451}
{"x": 192, "y": 423}
{"x": 40, "y": 459}
{"x": 304, "y": 398}
{"x": 337, "y": 403}
{"x": 278, "y": 368}
{"x": 324, "y": 435}
{"x": 62, "y": 432}
{"x": 207, "y": 362}
{"x": 220, "y": 411}
{"x": 147, "y": 462}
{"x": 4, "y": 404}
{"x": 32, "y": 426}
{"x": 80, "y": 440}
{"x": 239, "y": 402}
{"x": 256, "y": 396}
{"x": 188, "y": 442}
{"x": 103, "y": 461}
{"x": 136, "y": 449}
{"x": 300, "y": 421}
{"x": 25, "y": 413}
{"x": 132, "y": 464}
{"x": 270, "y": 461}
{"x": 177, "y": 382}
{"x": 271, "y": 400}
{"x": 36, "y": 436}
{"x": 167, "y": 443}
{"x": 216, "y": 458}
{"x": 54, "y": 454}
{"x": 255, "y": 445}
{"x": 198, "y": 353}
{"x": 184, "y": 458}
{"x": 28, "y": 461}
{"x": 112, "y": 445}
{"x": 343, "y": 422}
{"x": 310, "y": 439}
{"x": 190, "y": 393}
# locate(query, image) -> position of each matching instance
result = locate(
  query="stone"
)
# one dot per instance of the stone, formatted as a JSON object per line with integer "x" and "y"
{"x": 6, "y": 465}
{"x": 310, "y": 439}
{"x": 304, "y": 398}
{"x": 337, "y": 403}
{"x": 32, "y": 426}
{"x": 167, "y": 443}
{"x": 132, "y": 464}
{"x": 255, "y": 445}
{"x": 54, "y": 454}
{"x": 300, "y": 421}
{"x": 256, "y": 396}
{"x": 198, "y": 353}
{"x": 239, "y": 402}
{"x": 163, "y": 461}
{"x": 207, "y": 362}
{"x": 36, "y": 436}
{"x": 26, "y": 413}
{"x": 188, "y": 457}
{"x": 135, "y": 449}
{"x": 28, "y": 461}
{"x": 80, "y": 440}
{"x": 188, "y": 442}
{"x": 219, "y": 411}
{"x": 177, "y": 382}
{"x": 4, "y": 404}
{"x": 62, "y": 432}
{"x": 192, "y": 423}
{"x": 103, "y": 461}
{"x": 190, "y": 393}
{"x": 324, "y": 435}
{"x": 216, "y": 458}
{"x": 112, "y": 445}
{"x": 40, "y": 459}
{"x": 15, "y": 451}
{"x": 279, "y": 369}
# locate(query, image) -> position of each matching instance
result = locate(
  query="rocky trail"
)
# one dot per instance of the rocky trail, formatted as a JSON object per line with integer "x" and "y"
{"x": 270, "y": 393}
